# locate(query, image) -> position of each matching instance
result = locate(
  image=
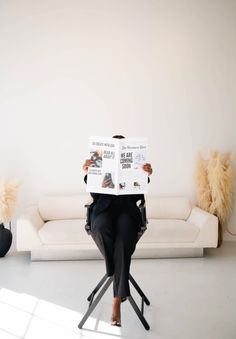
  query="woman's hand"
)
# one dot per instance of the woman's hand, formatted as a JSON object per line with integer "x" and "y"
{"x": 147, "y": 168}
{"x": 86, "y": 165}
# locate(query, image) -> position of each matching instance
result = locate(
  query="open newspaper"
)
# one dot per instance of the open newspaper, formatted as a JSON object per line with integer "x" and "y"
{"x": 117, "y": 166}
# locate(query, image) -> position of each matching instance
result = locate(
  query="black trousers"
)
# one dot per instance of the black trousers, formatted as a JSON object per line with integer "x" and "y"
{"x": 115, "y": 232}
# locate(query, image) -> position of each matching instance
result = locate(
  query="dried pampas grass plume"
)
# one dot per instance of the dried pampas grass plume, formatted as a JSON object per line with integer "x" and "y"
{"x": 8, "y": 192}
{"x": 203, "y": 187}
{"x": 221, "y": 178}
{"x": 215, "y": 181}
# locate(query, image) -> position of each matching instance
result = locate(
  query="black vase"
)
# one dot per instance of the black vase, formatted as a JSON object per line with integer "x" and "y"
{"x": 5, "y": 240}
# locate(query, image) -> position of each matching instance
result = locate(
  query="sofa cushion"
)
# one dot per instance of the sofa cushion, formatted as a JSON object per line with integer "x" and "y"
{"x": 72, "y": 232}
{"x": 170, "y": 231}
{"x": 72, "y": 207}
{"x": 63, "y": 207}
{"x": 168, "y": 208}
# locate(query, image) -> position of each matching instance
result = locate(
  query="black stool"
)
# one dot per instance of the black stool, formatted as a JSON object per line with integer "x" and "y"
{"x": 106, "y": 281}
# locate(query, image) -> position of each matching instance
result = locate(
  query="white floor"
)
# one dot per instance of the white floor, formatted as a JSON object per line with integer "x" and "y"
{"x": 191, "y": 298}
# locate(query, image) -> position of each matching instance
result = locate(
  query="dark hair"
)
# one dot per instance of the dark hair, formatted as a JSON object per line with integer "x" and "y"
{"x": 118, "y": 137}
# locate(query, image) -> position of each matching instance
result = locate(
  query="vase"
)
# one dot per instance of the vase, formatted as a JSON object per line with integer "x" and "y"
{"x": 220, "y": 235}
{"x": 5, "y": 240}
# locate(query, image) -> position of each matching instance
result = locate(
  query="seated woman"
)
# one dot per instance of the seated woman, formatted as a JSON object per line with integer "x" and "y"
{"x": 115, "y": 222}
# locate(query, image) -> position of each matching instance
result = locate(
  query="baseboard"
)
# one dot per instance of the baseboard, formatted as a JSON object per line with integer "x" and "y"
{"x": 45, "y": 254}
{"x": 41, "y": 255}
{"x": 156, "y": 253}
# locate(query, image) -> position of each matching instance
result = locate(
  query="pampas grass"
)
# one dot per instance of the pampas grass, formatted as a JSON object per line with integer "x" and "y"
{"x": 203, "y": 192}
{"x": 220, "y": 174}
{"x": 8, "y": 192}
{"x": 215, "y": 179}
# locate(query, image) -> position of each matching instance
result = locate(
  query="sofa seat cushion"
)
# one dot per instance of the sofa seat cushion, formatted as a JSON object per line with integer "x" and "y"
{"x": 64, "y": 232}
{"x": 57, "y": 232}
{"x": 169, "y": 230}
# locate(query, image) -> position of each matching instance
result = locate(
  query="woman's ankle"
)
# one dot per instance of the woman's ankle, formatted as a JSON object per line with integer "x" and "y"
{"x": 117, "y": 300}
{"x": 116, "y": 306}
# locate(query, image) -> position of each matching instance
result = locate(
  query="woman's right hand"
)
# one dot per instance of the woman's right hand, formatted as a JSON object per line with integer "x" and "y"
{"x": 86, "y": 165}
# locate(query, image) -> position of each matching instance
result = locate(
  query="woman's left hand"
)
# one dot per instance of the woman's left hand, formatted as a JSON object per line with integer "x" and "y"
{"x": 147, "y": 168}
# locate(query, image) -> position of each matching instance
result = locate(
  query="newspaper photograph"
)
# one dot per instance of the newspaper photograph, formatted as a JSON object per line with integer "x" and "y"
{"x": 117, "y": 166}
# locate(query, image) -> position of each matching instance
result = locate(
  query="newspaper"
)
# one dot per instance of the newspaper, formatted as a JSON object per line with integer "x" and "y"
{"x": 117, "y": 166}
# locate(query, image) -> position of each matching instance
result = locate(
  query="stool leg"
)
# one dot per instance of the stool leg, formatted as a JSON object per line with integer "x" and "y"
{"x": 138, "y": 312}
{"x": 101, "y": 282}
{"x": 95, "y": 302}
{"x": 140, "y": 292}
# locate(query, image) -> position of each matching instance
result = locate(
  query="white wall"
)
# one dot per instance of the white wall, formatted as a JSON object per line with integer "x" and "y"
{"x": 164, "y": 69}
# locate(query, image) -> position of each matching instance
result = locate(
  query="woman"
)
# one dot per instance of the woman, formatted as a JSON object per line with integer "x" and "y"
{"x": 115, "y": 221}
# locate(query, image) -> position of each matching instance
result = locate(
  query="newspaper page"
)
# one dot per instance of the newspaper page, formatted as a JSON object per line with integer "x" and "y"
{"x": 117, "y": 166}
{"x": 132, "y": 179}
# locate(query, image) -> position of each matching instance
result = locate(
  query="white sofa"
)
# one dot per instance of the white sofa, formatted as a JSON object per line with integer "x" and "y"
{"x": 54, "y": 229}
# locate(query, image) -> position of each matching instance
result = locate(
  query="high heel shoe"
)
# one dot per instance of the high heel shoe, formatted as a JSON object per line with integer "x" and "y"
{"x": 115, "y": 321}
{"x": 116, "y": 314}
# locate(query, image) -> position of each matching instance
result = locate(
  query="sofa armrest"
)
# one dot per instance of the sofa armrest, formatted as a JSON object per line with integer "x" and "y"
{"x": 27, "y": 227}
{"x": 208, "y": 225}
